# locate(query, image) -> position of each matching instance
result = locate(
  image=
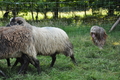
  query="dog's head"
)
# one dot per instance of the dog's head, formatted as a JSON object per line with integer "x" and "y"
{"x": 98, "y": 33}
{"x": 16, "y": 21}
{"x": 95, "y": 30}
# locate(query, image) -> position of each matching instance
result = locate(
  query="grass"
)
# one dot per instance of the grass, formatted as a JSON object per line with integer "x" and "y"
{"x": 93, "y": 63}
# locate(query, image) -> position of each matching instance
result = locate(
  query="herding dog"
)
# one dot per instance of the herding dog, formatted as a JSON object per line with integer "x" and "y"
{"x": 98, "y": 35}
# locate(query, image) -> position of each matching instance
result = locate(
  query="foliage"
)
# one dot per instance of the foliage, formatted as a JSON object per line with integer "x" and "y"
{"x": 56, "y": 6}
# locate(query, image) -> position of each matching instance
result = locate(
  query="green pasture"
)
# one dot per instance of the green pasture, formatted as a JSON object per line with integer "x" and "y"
{"x": 93, "y": 63}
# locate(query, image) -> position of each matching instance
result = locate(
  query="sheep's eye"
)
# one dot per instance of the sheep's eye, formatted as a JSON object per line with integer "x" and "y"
{"x": 19, "y": 22}
{"x": 13, "y": 23}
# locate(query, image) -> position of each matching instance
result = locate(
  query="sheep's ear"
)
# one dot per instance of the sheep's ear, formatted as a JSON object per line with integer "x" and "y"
{"x": 19, "y": 22}
{"x": 13, "y": 19}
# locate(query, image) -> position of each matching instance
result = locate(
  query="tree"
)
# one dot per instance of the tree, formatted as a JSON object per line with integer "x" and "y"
{"x": 56, "y": 6}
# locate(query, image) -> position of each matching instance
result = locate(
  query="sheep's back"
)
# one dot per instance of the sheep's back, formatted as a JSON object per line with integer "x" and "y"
{"x": 50, "y": 40}
{"x": 13, "y": 39}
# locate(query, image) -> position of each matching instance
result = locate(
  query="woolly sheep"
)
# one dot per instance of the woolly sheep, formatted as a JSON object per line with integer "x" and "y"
{"x": 48, "y": 41}
{"x": 17, "y": 41}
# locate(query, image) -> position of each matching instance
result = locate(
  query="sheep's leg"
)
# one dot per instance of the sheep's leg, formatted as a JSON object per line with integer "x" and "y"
{"x": 34, "y": 62}
{"x": 53, "y": 59}
{"x": 24, "y": 65}
{"x": 8, "y": 62}
{"x": 37, "y": 65}
{"x": 25, "y": 60}
{"x": 3, "y": 74}
{"x": 16, "y": 62}
{"x": 23, "y": 68}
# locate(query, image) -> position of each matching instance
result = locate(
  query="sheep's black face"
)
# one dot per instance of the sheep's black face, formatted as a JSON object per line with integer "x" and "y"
{"x": 19, "y": 22}
{"x": 15, "y": 22}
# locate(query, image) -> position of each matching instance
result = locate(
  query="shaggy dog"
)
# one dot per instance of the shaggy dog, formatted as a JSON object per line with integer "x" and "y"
{"x": 98, "y": 35}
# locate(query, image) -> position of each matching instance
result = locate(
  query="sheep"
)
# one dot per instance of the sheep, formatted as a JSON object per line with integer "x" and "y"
{"x": 48, "y": 41}
{"x": 17, "y": 41}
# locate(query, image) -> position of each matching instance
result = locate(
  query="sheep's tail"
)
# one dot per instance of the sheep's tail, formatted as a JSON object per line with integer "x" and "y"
{"x": 69, "y": 52}
{"x": 73, "y": 59}
{"x": 68, "y": 49}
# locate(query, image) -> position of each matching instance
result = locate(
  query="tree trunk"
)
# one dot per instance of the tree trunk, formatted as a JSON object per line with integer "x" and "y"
{"x": 37, "y": 16}
{"x": 56, "y": 9}
{"x": 118, "y": 20}
{"x": 32, "y": 15}
{"x": 31, "y": 6}
{"x": 110, "y": 12}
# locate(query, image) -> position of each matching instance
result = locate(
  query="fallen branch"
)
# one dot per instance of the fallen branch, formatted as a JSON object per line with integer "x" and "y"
{"x": 114, "y": 24}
